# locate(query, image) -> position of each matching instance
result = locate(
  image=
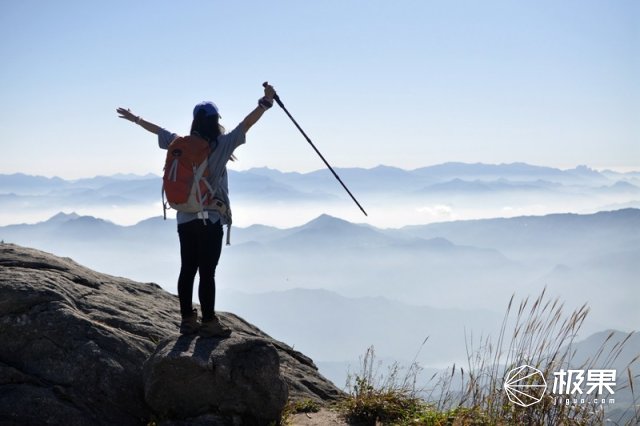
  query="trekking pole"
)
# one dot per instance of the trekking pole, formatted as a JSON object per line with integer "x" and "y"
{"x": 277, "y": 99}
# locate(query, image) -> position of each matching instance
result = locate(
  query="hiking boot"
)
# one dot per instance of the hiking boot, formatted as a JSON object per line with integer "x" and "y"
{"x": 189, "y": 325}
{"x": 214, "y": 328}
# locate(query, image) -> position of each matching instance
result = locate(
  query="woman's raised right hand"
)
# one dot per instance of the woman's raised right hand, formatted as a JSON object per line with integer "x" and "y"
{"x": 127, "y": 114}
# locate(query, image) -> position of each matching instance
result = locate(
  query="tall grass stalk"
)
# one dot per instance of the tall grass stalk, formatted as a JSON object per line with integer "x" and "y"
{"x": 534, "y": 332}
{"x": 382, "y": 395}
{"x": 543, "y": 337}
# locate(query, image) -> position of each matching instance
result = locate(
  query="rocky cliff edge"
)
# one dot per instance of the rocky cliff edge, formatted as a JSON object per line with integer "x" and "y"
{"x": 80, "y": 347}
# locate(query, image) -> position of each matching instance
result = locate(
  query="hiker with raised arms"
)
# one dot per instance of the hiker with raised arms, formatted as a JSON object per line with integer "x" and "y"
{"x": 200, "y": 194}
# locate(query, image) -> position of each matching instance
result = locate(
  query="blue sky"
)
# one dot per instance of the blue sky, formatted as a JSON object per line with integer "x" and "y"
{"x": 406, "y": 84}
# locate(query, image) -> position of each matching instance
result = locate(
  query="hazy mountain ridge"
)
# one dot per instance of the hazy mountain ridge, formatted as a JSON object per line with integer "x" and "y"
{"x": 466, "y": 263}
{"x": 549, "y": 233}
{"x": 393, "y": 197}
{"x": 319, "y": 185}
{"x": 451, "y": 176}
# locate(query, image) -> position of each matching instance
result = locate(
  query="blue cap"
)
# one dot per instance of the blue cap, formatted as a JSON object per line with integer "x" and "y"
{"x": 209, "y": 107}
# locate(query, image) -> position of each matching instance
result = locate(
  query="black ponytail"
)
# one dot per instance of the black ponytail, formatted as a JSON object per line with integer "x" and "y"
{"x": 207, "y": 126}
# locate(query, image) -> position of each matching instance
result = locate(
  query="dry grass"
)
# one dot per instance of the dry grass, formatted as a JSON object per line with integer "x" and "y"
{"x": 376, "y": 396}
{"x": 541, "y": 336}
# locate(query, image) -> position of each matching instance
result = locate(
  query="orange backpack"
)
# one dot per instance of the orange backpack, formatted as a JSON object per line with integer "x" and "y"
{"x": 185, "y": 172}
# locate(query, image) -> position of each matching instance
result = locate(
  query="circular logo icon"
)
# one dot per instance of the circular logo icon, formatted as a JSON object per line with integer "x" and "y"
{"x": 525, "y": 385}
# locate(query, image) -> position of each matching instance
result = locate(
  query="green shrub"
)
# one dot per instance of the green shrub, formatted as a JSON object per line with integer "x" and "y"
{"x": 387, "y": 398}
{"x": 304, "y": 406}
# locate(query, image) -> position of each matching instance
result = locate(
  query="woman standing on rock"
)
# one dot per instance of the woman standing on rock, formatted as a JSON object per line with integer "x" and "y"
{"x": 201, "y": 233}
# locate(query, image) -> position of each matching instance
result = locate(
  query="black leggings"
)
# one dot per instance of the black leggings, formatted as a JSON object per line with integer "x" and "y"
{"x": 200, "y": 247}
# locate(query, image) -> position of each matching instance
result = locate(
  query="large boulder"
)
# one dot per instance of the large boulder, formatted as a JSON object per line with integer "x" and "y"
{"x": 73, "y": 343}
{"x": 238, "y": 377}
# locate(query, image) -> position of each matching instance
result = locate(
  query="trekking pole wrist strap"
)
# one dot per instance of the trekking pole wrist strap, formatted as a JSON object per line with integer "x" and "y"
{"x": 265, "y": 103}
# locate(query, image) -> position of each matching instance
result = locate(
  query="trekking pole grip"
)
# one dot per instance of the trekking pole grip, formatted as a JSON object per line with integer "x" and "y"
{"x": 275, "y": 96}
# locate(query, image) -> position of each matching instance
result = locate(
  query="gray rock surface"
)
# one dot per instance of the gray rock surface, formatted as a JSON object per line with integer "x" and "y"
{"x": 73, "y": 343}
{"x": 238, "y": 377}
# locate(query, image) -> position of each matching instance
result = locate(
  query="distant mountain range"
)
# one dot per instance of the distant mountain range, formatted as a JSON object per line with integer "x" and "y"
{"x": 384, "y": 178}
{"x": 474, "y": 264}
{"x": 320, "y": 184}
{"x": 394, "y": 196}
